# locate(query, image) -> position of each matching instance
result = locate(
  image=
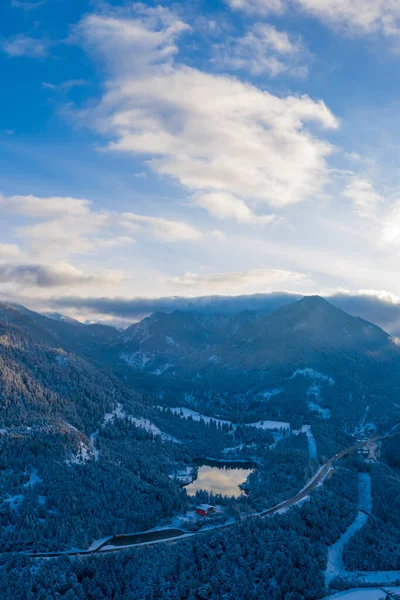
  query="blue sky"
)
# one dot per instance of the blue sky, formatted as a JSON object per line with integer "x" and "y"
{"x": 228, "y": 147}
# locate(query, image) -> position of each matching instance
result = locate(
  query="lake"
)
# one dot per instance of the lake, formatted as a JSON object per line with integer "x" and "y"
{"x": 220, "y": 477}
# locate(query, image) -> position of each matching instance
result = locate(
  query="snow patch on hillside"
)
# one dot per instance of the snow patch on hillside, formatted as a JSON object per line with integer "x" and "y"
{"x": 81, "y": 457}
{"x": 325, "y": 413}
{"x": 162, "y": 369}
{"x": 314, "y": 375}
{"x": 137, "y": 360}
{"x": 119, "y": 413}
{"x": 214, "y": 359}
{"x": 153, "y": 429}
{"x": 14, "y": 501}
{"x": 171, "y": 341}
{"x": 62, "y": 360}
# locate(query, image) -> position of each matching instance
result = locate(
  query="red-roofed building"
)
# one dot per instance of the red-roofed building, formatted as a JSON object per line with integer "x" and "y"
{"x": 204, "y": 510}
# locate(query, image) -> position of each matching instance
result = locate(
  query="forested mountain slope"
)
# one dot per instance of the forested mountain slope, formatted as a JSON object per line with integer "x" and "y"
{"x": 308, "y": 351}
{"x": 41, "y": 381}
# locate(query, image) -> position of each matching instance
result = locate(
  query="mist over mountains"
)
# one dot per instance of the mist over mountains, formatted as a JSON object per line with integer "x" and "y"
{"x": 382, "y": 310}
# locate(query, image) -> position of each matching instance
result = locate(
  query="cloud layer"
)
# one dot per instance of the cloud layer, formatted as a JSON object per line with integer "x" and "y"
{"x": 380, "y": 308}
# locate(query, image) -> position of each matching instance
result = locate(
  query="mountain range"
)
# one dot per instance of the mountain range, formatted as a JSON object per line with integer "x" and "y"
{"x": 311, "y": 351}
{"x": 308, "y": 359}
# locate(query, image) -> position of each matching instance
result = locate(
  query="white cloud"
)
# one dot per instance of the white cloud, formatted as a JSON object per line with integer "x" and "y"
{"x": 59, "y": 275}
{"x": 382, "y": 212}
{"x": 390, "y": 225}
{"x": 211, "y": 133}
{"x": 257, "y": 7}
{"x": 69, "y": 234}
{"x": 161, "y": 229}
{"x": 27, "y": 5}
{"x": 9, "y": 251}
{"x": 63, "y": 86}
{"x": 226, "y": 206}
{"x": 119, "y": 240}
{"x": 63, "y": 224}
{"x": 49, "y": 207}
{"x": 356, "y": 16}
{"x": 243, "y": 281}
{"x": 127, "y": 43}
{"x": 263, "y": 49}
{"x": 367, "y": 201}
{"x": 24, "y": 45}
{"x": 364, "y": 16}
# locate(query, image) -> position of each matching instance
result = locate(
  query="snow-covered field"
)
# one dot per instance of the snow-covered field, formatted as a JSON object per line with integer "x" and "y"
{"x": 185, "y": 413}
{"x": 269, "y": 425}
{"x": 312, "y": 444}
{"x": 364, "y": 594}
{"x": 196, "y": 416}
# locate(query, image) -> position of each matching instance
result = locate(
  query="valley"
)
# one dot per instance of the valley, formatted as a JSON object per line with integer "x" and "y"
{"x": 252, "y": 414}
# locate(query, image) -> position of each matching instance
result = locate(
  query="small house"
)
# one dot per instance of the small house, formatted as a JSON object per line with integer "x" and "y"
{"x": 204, "y": 510}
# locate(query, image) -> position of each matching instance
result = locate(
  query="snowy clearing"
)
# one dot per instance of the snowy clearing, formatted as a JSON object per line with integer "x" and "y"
{"x": 269, "y": 425}
{"x": 312, "y": 444}
{"x": 185, "y": 413}
{"x": 153, "y": 429}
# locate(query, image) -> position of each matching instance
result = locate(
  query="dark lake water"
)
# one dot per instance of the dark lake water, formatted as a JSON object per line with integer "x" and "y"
{"x": 220, "y": 478}
{"x": 147, "y": 536}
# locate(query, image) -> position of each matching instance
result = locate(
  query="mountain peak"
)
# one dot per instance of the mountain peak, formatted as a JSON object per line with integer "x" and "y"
{"x": 314, "y": 301}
